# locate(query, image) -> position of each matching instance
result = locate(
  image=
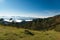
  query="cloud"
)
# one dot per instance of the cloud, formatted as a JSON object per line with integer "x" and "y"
{"x": 42, "y": 14}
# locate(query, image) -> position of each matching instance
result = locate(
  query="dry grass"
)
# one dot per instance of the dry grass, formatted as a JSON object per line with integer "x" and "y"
{"x": 13, "y": 33}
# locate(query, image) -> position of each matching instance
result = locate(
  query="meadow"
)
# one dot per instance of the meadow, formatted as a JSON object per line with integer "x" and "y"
{"x": 13, "y": 33}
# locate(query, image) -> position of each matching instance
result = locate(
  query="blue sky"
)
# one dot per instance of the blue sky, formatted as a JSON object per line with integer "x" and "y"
{"x": 29, "y": 8}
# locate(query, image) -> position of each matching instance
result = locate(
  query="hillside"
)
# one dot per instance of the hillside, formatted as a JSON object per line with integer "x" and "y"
{"x": 36, "y": 24}
{"x": 42, "y": 23}
{"x": 13, "y": 33}
{"x": 38, "y": 29}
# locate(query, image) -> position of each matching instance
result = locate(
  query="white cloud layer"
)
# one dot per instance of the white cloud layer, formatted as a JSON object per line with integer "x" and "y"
{"x": 43, "y": 14}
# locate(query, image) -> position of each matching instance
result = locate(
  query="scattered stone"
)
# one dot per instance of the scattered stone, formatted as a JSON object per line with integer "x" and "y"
{"x": 28, "y": 32}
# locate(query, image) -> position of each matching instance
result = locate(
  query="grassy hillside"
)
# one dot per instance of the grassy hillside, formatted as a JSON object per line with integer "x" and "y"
{"x": 13, "y": 33}
{"x": 36, "y": 24}
{"x": 38, "y": 29}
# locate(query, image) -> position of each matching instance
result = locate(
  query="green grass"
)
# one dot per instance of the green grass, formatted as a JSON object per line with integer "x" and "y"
{"x": 13, "y": 33}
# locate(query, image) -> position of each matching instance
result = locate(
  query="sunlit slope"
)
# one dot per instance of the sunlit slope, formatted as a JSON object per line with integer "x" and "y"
{"x": 12, "y": 33}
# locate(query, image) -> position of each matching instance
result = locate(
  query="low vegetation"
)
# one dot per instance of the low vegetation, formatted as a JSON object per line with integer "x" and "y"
{"x": 37, "y": 24}
{"x": 38, "y": 29}
{"x": 13, "y": 33}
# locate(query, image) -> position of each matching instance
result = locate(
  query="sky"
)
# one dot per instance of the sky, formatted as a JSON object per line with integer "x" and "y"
{"x": 30, "y": 8}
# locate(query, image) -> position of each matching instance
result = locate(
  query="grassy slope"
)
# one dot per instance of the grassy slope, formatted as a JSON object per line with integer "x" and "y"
{"x": 12, "y": 33}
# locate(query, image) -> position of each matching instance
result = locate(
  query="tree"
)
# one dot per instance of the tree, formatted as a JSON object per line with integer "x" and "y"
{"x": 10, "y": 19}
{"x": 1, "y": 19}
